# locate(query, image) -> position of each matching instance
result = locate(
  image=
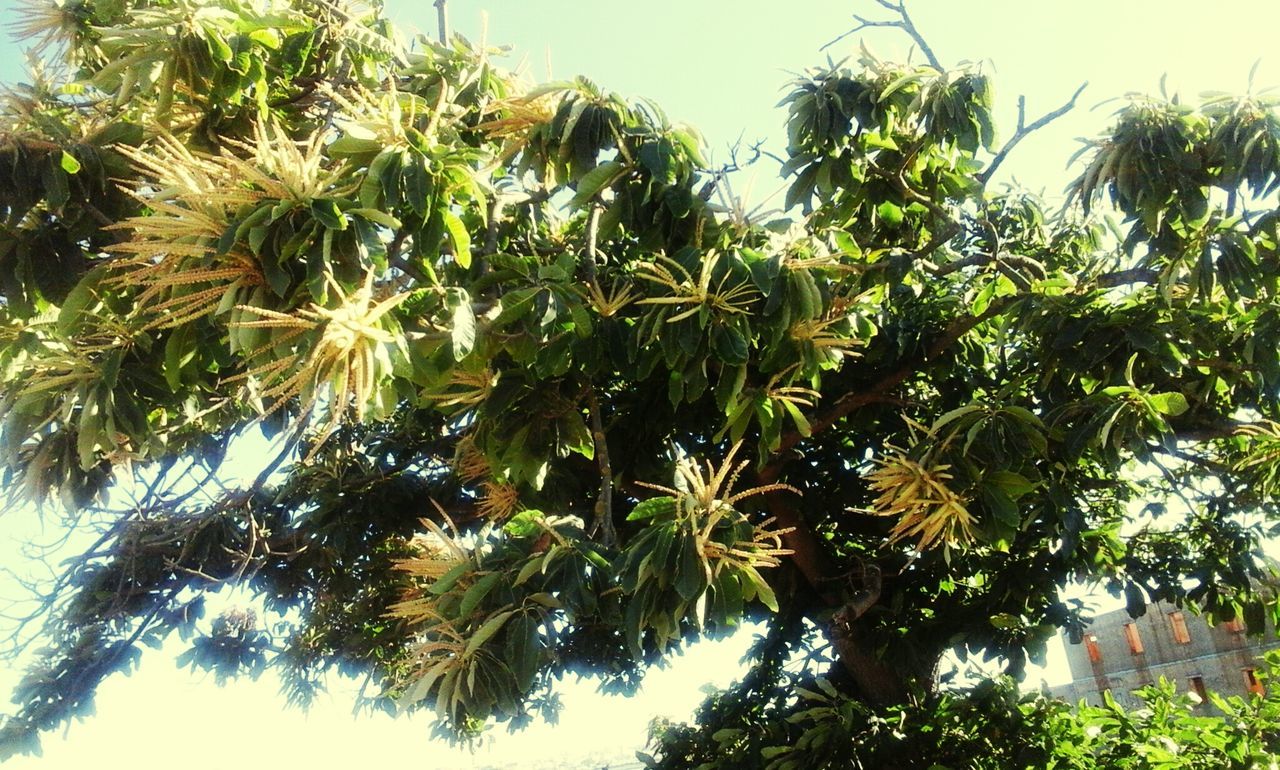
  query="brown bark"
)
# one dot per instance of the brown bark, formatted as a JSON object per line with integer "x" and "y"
{"x": 878, "y": 682}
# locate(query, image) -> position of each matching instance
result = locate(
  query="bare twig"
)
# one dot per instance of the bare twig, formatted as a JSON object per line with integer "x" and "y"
{"x": 1024, "y": 130}
{"x": 442, "y": 18}
{"x": 904, "y": 22}
{"x": 909, "y": 27}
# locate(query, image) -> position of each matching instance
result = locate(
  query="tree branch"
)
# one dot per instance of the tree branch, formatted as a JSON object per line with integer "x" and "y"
{"x": 490, "y": 246}
{"x": 1124, "y": 277}
{"x": 402, "y": 264}
{"x": 1025, "y": 130}
{"x": 878, "y": 391}
{"x": 442, "y": 19}
{"x": 807, "y": 553}
{"x": 604, "y": 503}
{"x": 878, "y": 682}
{"x": 904, "y": 22}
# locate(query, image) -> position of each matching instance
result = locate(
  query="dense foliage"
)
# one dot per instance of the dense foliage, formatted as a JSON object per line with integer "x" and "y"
{"x": 545, "y": 396}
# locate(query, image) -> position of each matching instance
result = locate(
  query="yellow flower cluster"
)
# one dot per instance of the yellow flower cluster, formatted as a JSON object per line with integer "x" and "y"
{"x": 923, "y": 503}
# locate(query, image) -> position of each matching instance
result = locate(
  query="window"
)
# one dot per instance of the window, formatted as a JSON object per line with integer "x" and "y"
{"x": 1251, "y": 681}
{"x": 1197, "y": 687}
{"x": 1235, "y": 626}
{"x": 1091, "y": 644}
{"x": 1131, "y": 636}
{"x": 1178, "y": 623}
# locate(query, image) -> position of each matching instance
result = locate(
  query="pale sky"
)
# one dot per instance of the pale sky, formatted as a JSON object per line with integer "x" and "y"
{"x": 720, "y": 65}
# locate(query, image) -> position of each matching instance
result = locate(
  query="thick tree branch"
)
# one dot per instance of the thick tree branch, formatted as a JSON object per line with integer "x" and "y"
{"x": 973, "y": 260}
{"x": 1024, "y": 130}
{"x": 878, "y": 391}
{"x": 807, "y": 554}
{"x": 877, "y": 681}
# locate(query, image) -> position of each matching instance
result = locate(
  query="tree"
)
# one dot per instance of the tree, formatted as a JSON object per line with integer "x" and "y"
{"x": 545, "y": 396}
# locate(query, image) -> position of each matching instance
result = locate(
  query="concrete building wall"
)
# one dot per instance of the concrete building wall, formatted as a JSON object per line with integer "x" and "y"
{"x": 1216, "y": 656}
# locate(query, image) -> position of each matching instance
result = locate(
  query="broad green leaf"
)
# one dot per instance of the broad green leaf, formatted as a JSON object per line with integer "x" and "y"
{"x": 476, "y": 593}
{"x": 460, "y": 239}
{"x": 1006, "y": 622}
{"x": 462, "y": 329}
{"x": 1168, "y": 404}
{"x": 1015, "y": 485}
{"x": 654, "y": 506}
{"x": 596, "y": 180}
{"x": 69, "y": 163}
{"x": 486, "y": 632}
{"x": 890, "y": 214}
{"x": 327, "y": 213}
{"x": 445, "y": 582}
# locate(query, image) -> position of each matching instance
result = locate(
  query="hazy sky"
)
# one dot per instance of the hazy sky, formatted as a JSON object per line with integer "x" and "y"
{"x": 719, "y": 65}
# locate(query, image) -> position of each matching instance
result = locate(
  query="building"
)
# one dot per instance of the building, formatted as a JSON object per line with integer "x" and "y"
{"x": 1121, "y": 654}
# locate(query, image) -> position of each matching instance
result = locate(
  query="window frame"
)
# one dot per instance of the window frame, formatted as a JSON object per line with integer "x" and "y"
{"x": 1197, "y": 686}
{"x": 1092, "y": 648}
{"x": 1134, "y": 638}
{"x": 1252, "y": 683}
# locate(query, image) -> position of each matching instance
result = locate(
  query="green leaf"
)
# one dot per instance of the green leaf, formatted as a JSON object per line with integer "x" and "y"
{"x": 1015, "y": 485}
{"x": 462, "y": 329}
{"x": 653, "y": 507}
{"x": 524, "y": 524}
{"x": 898, "y": 84}
{"x": 69, "y": 163}
{"x": 802, "y": 423}
{"x": 445, "y": 582}
{"x": 177, "y": 353}
{"x": 1169, "y": 404}
{"x": 460, "y": 239}
{"x": 1135, "y": 600}
{"x": 418, "y": 690}
{"x": 347, "y": 146}
{"x": 218, "y": 47}
{"x": 1005, "y": 621}
{"x": 523, "y": 643}
{"x": 763, "y": 590}
{"x": 476, "y": 593}
{"x": 530, "y": 568}
{"x": 327, "y": 213}
{"x": 890, "y": 214}
{"x": 953, "y": 415}
{"x": 575, "y": 436}
{"x": 486, "y": 632}
{"x": 691, "y": 573}
{"x": 596, "y": 180}
{"x": 545, "y": 599}
{"x": 730, "y": 346}
{"x": 1004, "y": 508}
